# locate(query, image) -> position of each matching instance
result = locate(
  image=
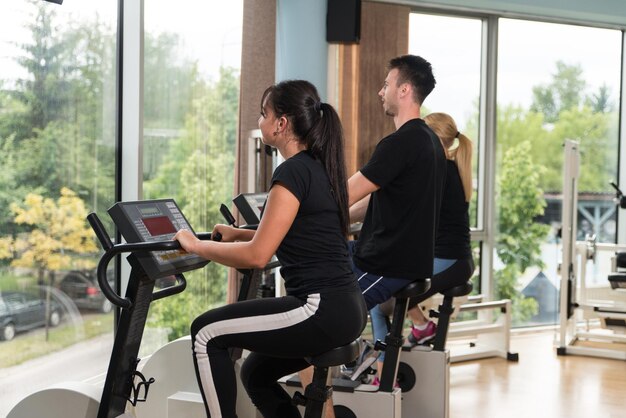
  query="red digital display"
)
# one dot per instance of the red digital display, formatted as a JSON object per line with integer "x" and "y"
{"x": 159, "y": 225}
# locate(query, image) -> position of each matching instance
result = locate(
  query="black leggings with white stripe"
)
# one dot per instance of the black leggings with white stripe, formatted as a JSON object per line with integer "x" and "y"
{"x": 279, "y": 332}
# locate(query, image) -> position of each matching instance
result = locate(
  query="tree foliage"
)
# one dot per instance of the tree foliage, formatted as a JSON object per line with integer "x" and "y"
{"x": 57, "y": 132}
{"x": 520, "y": 201}
{"x": 57, "y": 124}
{"x": 198, "y": 173}
{"x": 564, "y": 92}
{"x": 530, "y": 160}
{"x": 58, "y": 236}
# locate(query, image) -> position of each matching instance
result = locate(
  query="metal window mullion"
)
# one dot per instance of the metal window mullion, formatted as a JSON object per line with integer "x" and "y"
{"x": 487, "y": 135}
{"x": 621, "y": 170}
{"x": 132, "y": 104}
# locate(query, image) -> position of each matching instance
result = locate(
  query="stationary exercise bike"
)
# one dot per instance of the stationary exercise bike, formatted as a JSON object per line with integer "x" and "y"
{"x": 352, "y": 399}
{"x": 148, "y": 227}
{"x": 431, "y": 365}
{"x": 167, "y": 376}
{"x": 400, "y": 393}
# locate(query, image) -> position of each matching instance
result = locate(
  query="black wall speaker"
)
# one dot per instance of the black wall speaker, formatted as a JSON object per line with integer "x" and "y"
{"x": 343, "y": 21}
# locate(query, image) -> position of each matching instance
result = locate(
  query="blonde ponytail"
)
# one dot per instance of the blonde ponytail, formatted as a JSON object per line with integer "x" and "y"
{"x": 444, "y": 126}
{"x": 462, "y": 155}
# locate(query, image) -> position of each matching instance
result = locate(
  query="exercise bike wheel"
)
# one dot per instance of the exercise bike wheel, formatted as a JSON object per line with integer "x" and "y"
{"x": 406, "y": 377}
{"x": 343, "y": 412}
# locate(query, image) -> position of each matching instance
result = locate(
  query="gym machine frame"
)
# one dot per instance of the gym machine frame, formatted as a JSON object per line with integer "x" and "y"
{"x": 576, "y": 304}
{"x": 489, "y": 337}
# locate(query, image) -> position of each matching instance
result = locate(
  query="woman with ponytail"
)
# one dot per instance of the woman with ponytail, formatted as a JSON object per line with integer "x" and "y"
{"x": 453, "y": 264}
{"x": 305, "y": 223}
{"x": 445, "y": 128}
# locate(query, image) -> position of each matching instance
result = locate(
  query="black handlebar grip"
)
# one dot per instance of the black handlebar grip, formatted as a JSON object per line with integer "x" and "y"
{"x": 230, "y": 219}
{"x": 99, "y": 230}
{"x": 216, "y": 237}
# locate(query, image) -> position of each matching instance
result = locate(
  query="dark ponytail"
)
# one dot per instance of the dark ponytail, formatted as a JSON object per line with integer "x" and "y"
{"x": 317, "y": 125}
{"x": 326, "y": 142}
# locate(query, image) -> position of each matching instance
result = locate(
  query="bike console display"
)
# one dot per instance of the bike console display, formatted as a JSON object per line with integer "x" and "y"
{"x": 154, "y": 221}
{"x": 250, "y": 206}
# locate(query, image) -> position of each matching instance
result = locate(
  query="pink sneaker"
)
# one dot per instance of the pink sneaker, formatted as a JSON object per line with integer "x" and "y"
{"x": 420, "y": 336}
{"x": 376, "y": 382}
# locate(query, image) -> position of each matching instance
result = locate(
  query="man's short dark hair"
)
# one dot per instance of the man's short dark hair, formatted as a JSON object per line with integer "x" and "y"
{"x": 416, "y": 71}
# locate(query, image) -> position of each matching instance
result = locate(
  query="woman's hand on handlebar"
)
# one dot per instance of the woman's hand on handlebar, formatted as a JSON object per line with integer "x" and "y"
{"x": 228, "y": 233}
{"x": 187, "y": 240}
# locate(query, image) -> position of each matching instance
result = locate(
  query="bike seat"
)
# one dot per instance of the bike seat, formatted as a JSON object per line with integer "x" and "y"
{"x": 413, "y": 289}
{"x": 337, "y": 356}
{"x": 461, "y": 290}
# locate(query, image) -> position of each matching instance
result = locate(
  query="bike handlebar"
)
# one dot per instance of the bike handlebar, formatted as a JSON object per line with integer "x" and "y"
{"x": 111, "y": 250}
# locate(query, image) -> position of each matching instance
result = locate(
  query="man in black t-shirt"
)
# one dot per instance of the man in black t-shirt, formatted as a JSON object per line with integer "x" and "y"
{"x": 398, "y": 192}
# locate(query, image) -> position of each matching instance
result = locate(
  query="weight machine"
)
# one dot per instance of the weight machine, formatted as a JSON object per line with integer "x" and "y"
{"x": 583, "y": 306}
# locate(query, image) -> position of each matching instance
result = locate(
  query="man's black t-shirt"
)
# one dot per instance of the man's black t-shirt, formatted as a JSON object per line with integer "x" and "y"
{"x": 453, "y": 234}
{"x": 314, "y": 253}
{"x": 398, "y": 233}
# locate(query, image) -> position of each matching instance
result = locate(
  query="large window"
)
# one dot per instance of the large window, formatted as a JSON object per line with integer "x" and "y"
{"x": 453, "y": 47}
{"x": 555, "y": 82}
{"x": 57, "y": 143}
{"x": 458, "y": 88}
{"x": 58, "y": 132}
{"x": 191, "y": 91}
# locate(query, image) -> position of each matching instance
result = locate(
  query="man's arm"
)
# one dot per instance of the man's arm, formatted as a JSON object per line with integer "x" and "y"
{"x": 357, "y": 211}
{"x": 359, "y": 190}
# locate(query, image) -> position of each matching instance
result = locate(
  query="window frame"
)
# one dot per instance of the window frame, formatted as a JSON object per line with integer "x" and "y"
{"x": 486, "y": 217}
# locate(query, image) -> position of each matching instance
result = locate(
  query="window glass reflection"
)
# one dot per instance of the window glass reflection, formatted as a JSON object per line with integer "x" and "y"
{"x": 57, "y": 136}
{"x": 453, "y": 47}
{"x": 555, "y": 82}
{"x": 191, "y": 93}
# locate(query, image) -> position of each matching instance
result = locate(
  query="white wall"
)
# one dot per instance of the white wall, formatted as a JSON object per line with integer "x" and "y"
{"x": 301, "y": 48}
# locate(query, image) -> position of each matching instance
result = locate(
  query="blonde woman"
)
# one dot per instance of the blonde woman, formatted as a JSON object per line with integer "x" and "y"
{"x": 453, "y": 264}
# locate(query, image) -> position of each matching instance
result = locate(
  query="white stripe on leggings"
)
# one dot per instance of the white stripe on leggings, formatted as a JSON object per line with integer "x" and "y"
{"x": 241, "y": 325}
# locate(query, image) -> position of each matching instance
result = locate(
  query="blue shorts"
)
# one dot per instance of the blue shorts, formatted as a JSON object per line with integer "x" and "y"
{"x": 376, "y": 288}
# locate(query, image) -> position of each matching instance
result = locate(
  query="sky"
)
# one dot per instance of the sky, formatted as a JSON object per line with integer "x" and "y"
{"x": 211, "y": 33}
{"x": 527, "y": 56}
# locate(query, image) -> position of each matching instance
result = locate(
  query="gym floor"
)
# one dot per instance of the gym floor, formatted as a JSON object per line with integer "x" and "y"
{"x": 541, "y": 384}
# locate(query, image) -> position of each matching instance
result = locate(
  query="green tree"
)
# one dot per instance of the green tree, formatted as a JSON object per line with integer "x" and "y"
{"x": 600, "y": 102}
{"x": 520, "y": 201}
{"x": 561, "y": 110}
{"x": 570, "y": 113}
{"x": 170, "y": 82}
{"x": 45, "y": 92}
{"x": 597, "y": 135}
{"x": 53, "y": 132}
{"x": 564, "y": 92}
{"x": 198, "y": 173}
